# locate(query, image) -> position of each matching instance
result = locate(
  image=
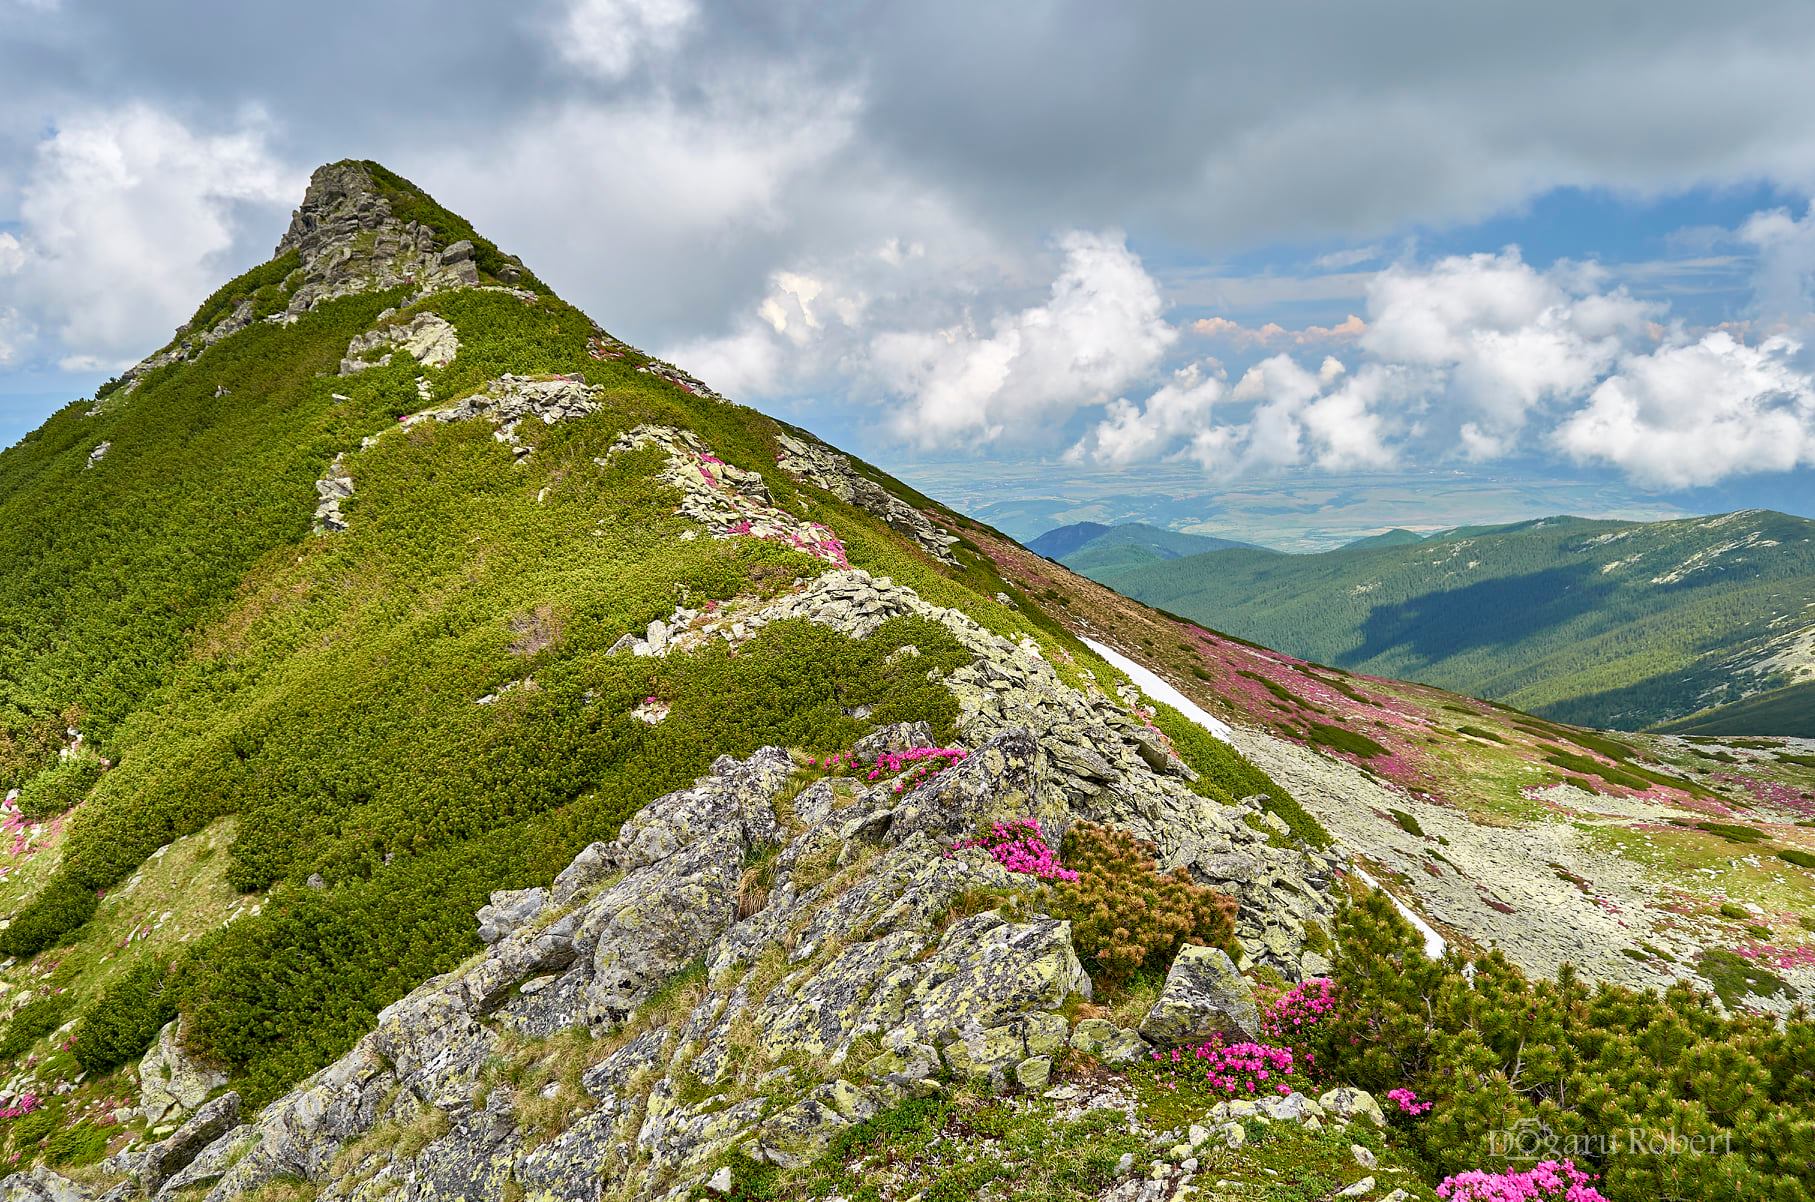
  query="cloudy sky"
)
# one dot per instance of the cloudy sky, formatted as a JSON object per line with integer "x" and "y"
{"x": 1269, "y": 243}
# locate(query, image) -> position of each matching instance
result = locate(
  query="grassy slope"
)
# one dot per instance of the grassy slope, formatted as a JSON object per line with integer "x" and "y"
{"x": 285, "y": 708}
{"x": 1563, "y": 617}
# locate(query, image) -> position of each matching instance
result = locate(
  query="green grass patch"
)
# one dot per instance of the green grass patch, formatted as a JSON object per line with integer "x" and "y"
{"x": 1340, "y": 738}
{"x": 1735, "y": 978}
{"x": 1407, "y": 823}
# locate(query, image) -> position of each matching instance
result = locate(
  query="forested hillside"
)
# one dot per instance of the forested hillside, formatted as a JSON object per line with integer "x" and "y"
{"x": 1617, "y": 624}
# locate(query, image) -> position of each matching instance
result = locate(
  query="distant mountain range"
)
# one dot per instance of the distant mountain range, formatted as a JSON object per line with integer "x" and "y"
{"x": 1704, "y": 624}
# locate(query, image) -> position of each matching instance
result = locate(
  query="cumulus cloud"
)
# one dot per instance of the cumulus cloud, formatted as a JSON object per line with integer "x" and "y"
{"x": 1698, "y": 413}
{"x": 1101, "y": 328}
{"x": 127, "y": 218}
{"x": 1508, "y": 337}
{"x": 1133, "y": 433}
{"x": 13, "y": 335}
{"x": 609, "y": 37}
{"x": 1327, "y": 419}
{"x": 1467, "y": 356}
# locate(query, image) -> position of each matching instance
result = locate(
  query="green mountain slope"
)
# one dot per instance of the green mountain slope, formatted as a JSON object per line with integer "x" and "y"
{"x": 1601, "y": 623}
{"x": 450, "y": 753}
{"x": 1390, "y": 538}
{"x": 342, "y": 605}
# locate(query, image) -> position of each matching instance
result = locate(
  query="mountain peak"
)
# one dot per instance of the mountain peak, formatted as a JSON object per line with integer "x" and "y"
{"x": 363, "y": 228}
{"x": 360, "y": 228}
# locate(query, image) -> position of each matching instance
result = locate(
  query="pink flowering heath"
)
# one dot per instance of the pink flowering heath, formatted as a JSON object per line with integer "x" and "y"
{"x": 1550, "y": 1180}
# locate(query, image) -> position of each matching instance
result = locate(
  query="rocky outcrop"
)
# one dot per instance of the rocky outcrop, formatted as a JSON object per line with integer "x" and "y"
{"x": 726, "y": 499}
{"x": 427, "y": 338}
{"x": 1087, "y": 757}
{"x": 750, "y": 964}
{"x": 819, "y": 465}
{"x": 330, "y": 491}
{"x": 511, "y": 400}
{"x": 872, "y": 966}
{"x": 347, "y": 240}
{"x": 172, "y": 1083}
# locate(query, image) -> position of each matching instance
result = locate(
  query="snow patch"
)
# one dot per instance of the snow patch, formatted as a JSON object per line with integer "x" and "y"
{"x": 1159, "y": 690}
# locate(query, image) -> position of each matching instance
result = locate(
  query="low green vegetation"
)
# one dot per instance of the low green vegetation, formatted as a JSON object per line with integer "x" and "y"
{"x": 1341, "y": 738}
{"x": 60, "y": 786}
{"x": 956, "y": 1150}
{"x": 1733, "y": 832}
{"x": 1498, "y": 1052}
{"x": 392, "y": 721}
{"x": 1407, "y": 823}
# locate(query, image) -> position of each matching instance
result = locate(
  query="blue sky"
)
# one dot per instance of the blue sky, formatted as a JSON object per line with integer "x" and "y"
{"x": 1255, "y": 249}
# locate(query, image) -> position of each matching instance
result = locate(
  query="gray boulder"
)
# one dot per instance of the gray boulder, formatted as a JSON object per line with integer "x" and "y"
{"x": 1204, "y": 996}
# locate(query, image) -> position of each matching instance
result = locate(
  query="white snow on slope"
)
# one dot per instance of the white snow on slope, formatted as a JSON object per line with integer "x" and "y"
{"x": 1159, "y": 690}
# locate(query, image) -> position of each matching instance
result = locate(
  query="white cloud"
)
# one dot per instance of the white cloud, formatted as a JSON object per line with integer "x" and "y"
{"x": 126, "y": 218}
{"x": 1509, "y": 337}
{"x": 1698, "y": 413}
{"x": 1137, "y": 433}
{"x": 609, "y": 37}
{"x": 1101, "y": 328}
{"x": 1341, "y": 260}
{"x": 1783, "y": 283}
{"x": 13, "y": 335}
{"x": 1329, "y": 419}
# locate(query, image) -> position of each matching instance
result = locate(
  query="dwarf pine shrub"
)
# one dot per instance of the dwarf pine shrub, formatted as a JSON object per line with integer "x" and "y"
{"x": 1613, "y": 1071}
{"x": 1126, "y": 916}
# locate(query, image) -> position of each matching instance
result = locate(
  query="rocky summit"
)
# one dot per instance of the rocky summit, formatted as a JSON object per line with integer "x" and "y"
{"x": 516, "y": 771}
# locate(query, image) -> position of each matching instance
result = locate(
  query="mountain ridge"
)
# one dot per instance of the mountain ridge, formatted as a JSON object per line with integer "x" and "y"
{"x": 518, "y": 771}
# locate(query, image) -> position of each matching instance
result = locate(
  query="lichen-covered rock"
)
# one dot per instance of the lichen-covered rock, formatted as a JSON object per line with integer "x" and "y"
{"x": 1204, "y": 996}
{"x": 166, "y": 1158}
{"x": 508, "y": 910}
{"x": 822, "y": 467}
{"x": 39, "y": 1184}
{"x": 173, "y": 1083}
{"x": 1349, "y": 1104}
{"x": 427, "y": 338}
{"x": 1107, "y": 1042}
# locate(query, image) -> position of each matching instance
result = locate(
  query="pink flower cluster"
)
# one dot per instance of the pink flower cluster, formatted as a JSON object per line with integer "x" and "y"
{"x": 912, "y": 766}
{"x": 1407, "y": 1101}
{"x": 1231, "y": 1069}
{"x": 1771, "y": 792}
{"x": 1301, "y": 1006}
{"x": 24, "y": 1104}
{"x": 1019, "y": 845}
{"x": 1551, "y": 1179}
{"x": 1780, "y": 957}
